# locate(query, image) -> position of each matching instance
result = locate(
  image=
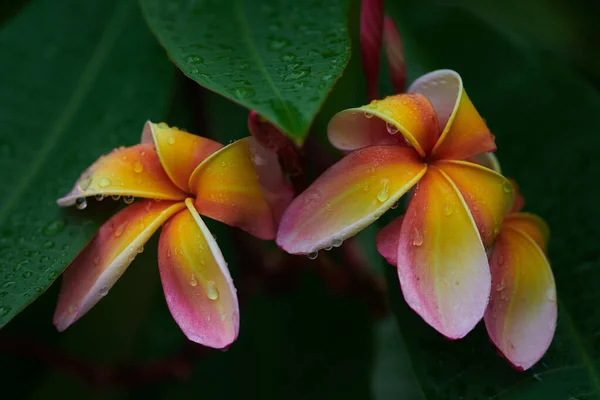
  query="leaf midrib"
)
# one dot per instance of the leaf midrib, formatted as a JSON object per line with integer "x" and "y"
{"x": 90, "y": 72}
{"x": 246, "y": 38}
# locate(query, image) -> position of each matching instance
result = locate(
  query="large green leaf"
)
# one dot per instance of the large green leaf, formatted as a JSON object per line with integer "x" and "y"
{"x": 280, "y": 57}
{"x": 544, "y": 118}
{"x": 79, "y": 84}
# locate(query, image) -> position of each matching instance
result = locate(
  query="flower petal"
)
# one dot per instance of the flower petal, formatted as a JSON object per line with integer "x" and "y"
{"x": 521, "y": 316}
{"x": 126, "y": 171}
{"x": 535, "y": 227}
{"x": 519, "y": 202}
{"x": 463, "y": 131}
{"x": 102, "y": 262}
{"x": 488, "y": 194}
{"x": 442, "y": 264}
{"x": 411, "y": 115}
{"x": 488, "y": 160}
{"x": 197, "y": 284}
{"x": 348, "y": 196}
{"x": 387, "y": 240}
{"x": 242, "y": 185}
{"x": 180, "y": 152}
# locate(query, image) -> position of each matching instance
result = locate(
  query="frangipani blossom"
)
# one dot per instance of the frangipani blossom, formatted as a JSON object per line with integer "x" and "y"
{"x": 420, "y": 140}
{"x": 181, "y": 176}
{"x": 521, "y": 316}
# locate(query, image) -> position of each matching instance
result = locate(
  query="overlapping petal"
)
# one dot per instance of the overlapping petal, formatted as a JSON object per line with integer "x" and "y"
{"x": 488, "y": 194}
{"x": 387, "y": 240}
{"x": 197, "y": 284}
{"x": 442, "y": 264}
{"x": 392, "y": 120}
{"x": 488, "y": 160}
{"x": 242, "y": 185}
{"x": 463, "y": 132}
{"x": 179, "y": 152}
{"x": 95, "y": 270}
{"x": 535, "y": 227}
{"x": 521, "y": 316}
{"x": 348, "y": 196}
{"x": 127, "y": 171}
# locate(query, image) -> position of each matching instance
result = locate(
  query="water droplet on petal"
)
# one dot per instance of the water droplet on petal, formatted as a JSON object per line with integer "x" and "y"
{"x": 128, "y": 199}
{"x": 99, "y": 197}
{"x": 448, "y": 209}
{"x": 120, "y": 229}
{"x": 391, "y": 128}
{"x": 85, "y": 183}
{"x": 501, "y": 285}
{"x": 80, "y": 203}
{"x": 328, "y": 206}
{"x": 328, "y": 248}
{"x": 115, "y": 197}
{"x": 211, "y": 290}
{"x": 138, "y": 167}
{"x": 73, "y": 309}
{"x": 103, "y": 291}
{"x": 193, "y": 280}
{"x": 417, "y": 237}
{"x": 313, "y": 255}
{"x": 140, "y": 249}
{"x": 104, "y": 182}
{"x": 384, "y": 193}
{"x": 394, "y": 206}
{"x": 337, "y": 242}
{"x": 368, "y": 115}
{"x": 507, "y": 187}
{"x": 551, "y": 294}
{"x": 171, "y": 140}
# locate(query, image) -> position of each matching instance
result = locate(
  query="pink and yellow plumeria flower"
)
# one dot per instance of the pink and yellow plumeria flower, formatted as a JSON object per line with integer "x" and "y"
{"x": 521, "y": 316}
{"x": 421, "y": 139}
{"x": 181, "y": 176}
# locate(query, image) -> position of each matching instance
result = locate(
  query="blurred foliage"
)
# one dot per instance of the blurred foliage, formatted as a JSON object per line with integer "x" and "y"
{"x": 309, "y": 329}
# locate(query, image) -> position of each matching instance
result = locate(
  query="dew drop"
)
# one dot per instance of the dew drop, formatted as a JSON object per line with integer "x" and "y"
{"x": 501, "y": 285}
{"x": 140, "y": 249}
{"x": 337, "y": 242}
{"x": 328, "y": 248}
{"x": 80, "y": 203}
{"x": 104, "y": 182}
{"x": 448, "y": 209}
{"x": 54, "y": 227}
{"x": 328, "y": 206}
{"x": 193, "y": 280}
{"x": 171, "y": 140}
{"x": 211, "y": 290}
{"x": 73, "y": 309}
{"x": 85, "y": 183}
{"x": 368, "y": 115}
{"x": 384, "y": 193}
{"x": 366, "y": 187}
{"x": 394, "y": 206}
{"x": 27, "y": 274}
{"x": 103, "y": 291}
{"x": 507, "y": 187}
{"x": 48, "y": 244}
{"x": 551, "y": 294}
{"x": 313, "y": 255}
{"x": 99, "y": 197}
{"x": 128, "y": 199}
{"x": 115, "y": 197}
{"x": 417, "y": 237}
{"x": 391, "y": 128}
{"x": 120, "y": 229}
{"x": 138, "y": 167}
{"x": 4, "y": 310}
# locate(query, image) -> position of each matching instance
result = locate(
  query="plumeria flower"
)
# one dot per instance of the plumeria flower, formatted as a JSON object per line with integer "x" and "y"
{"x": 521, "y": 316}
{"x": 181, "y": 176}
{"x": 424, "y": 140}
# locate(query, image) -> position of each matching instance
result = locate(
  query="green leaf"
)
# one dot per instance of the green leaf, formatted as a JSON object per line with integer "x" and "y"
{"x": 543, "y": 116}
{"x": 79, "y": 84}
{"x": 280, "y": 58}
